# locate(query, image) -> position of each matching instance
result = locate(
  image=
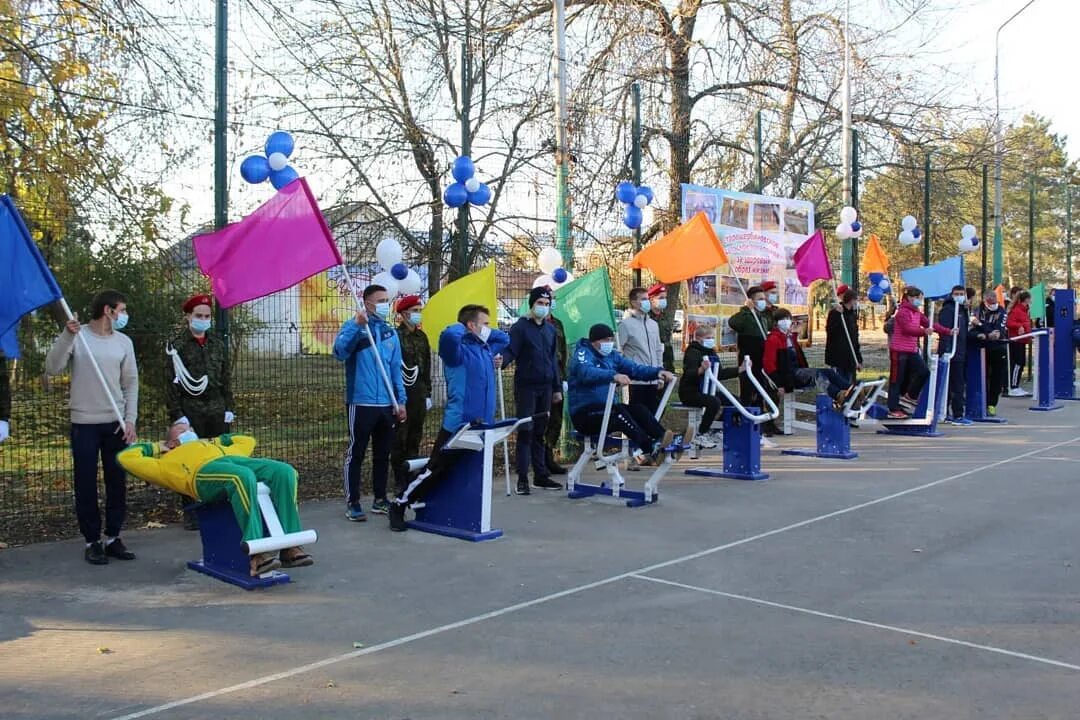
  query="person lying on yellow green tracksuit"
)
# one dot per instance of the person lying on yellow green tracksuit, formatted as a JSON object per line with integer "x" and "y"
{"x": 204, "y": 468}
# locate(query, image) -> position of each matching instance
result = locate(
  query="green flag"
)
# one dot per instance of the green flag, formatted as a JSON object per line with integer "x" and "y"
{"x": 581, "y": 304}
{"x": 1038, "y": 302}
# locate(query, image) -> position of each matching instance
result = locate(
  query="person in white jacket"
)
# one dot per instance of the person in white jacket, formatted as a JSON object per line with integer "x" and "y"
{"x": 639, "y": 342}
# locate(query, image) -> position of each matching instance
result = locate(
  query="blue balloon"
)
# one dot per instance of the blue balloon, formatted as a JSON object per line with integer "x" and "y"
{"x": 1076, "y": 336}
{"x": 455, "y": 195}
{"x": 255, "y": 169}
{"x": 463, "y": 169}
{"x": 856, "y": 226}
{"x": 875, "y": 294}
{"x": 632, "y": 217}
{"x": 281, "y": 142}
{"x": 284, "y": 176}
{"x": 399, "y": 271}
{"x": 481, "y": 196}
{"x": 916, "y": 233}
{"x": 647, "y": 192}
{"x": 876, "y": 277}
{"x": 625, "y": 192}
{"x": 559, "y": 275}
{"x": 974, "y": 241}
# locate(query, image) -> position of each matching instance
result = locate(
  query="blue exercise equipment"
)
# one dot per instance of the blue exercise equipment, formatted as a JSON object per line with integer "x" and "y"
{"x": 1066, "y": 340}
{"x": 833, "y": 427}
{"x": 976, "y": 368}
{"x": 1043, "y": 360}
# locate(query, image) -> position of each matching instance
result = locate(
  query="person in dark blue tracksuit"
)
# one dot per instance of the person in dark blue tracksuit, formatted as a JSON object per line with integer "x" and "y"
{"x": 954, "y": 314}
{"x": 372, "y": 410}
{"x": 470, "y": 351}
{"x": 537, "y": 383}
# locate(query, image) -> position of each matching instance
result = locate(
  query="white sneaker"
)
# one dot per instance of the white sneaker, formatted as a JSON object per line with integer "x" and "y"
{"x": 1018, "y": 392}
{"x": 767, "y": 443}
{"x": 704, "y": 441}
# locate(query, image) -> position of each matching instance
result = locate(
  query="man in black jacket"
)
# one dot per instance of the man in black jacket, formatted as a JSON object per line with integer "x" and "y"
{"x": 537, "y": 382}
{"x": 989, "y": 331}
{"x": 954, "y": 315}
{"x": 698, "y": 360}
{"x": 842, "y": 350}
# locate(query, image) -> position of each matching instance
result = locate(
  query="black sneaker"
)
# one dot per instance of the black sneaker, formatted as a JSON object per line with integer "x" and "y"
{"x": 522, "y": 487}
{"x": 397, "y": 517}
{"x": 117, "y": 549}
{"x": 95, "y": 554}
{"x": 191, "y": 520}
{"x": 546, "y": 483}
{"x": 553, "y": 467}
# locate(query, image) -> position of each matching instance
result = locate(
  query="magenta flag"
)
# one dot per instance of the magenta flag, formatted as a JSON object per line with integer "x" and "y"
{"x": 282, "y": 243}
{"x": 812, "y": 260}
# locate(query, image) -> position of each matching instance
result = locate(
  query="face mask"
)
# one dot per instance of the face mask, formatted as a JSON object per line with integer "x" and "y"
{"x": 382, "y": 310}
{"x": 959, "y": 299}
{"x": 917, "y": 302}
{"x": 606, "y": 348}
{"x": 120, "y": 322}
{"x": 992, "y": 308}
{"x": 187, "y": 436}
{"x": 200, "y": 325}
{"x": 661, "y": 304}
{"x": 760, "y": 305}
{"x": 773, "y": 298}
{"x": 541, "y": 311}
{"x": 709, "y": 343}
{"x": 485, "y": 333}
{"x": 646, "y": 306}
{"x": 784, "y": 324}
{"x": 414, "y": 319}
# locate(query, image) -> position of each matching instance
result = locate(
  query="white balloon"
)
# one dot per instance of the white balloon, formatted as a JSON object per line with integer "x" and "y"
{"x": 843, "y": 231}
{"x": 472, "y": 184}
{"x": 388, "y": 253}
{"x": 543, "y": 280}
{"x": 641, "y": 202}
{"x": 966, "y": 245}
{"x": 278, "y": 161}
{"x": 855, "y": 233}
{"x": 909, "y": 223}
{"x": 387, "y": 281}
{"x": 885, "y": 284}
{"x": 906, "y": 238}
{"x": 412, "y": 284}
{"x": 968, "y": 231}
{"x": 549, "y": 260}
{"x": 848, "y": 215}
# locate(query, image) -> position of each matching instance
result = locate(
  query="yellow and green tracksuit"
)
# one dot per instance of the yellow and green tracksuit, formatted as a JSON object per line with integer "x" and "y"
{"x": 203, "y": 469}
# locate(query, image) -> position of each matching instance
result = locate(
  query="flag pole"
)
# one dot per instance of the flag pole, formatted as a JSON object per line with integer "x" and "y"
{"x": 97, "y": 369}
{"x": 371, "y": 336}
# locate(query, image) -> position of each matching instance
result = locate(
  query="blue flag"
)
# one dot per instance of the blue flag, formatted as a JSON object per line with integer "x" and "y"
{"x": 937, "y": 280}
{"x": 26, "y": 283}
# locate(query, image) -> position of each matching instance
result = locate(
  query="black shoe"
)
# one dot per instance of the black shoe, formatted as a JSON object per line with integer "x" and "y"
{"x": 116, "y": 549}
{"x": 397, "y": 517}
{"x": 523, "y": 487}
{"x": 95, "y": 554}
{"x": 191, "y": 520}
{"x": 553, "y": 467}
{"x": 546, "y": 483}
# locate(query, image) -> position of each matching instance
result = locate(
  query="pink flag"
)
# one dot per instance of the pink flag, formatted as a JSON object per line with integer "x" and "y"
{"x": 282, "y": 243}
{"x": 812, "y": 260}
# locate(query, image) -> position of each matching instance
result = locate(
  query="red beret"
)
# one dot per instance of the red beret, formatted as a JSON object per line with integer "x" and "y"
{"x": 408, "y": 301}
{"x": 195, "y": 301}
{"x": 657, "y": 289}
{"x": 841, "y": 290}
{"x": 767, "y": 286}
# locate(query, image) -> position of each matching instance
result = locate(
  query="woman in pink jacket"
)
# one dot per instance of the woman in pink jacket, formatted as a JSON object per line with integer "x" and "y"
{"x": 907, "y": 370}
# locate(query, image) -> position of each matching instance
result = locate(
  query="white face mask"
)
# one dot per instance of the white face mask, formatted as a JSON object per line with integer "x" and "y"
{"x": 541, "y": 311}
{"x": 784, "y": 324}
{"x": 760, "y": 305}
{"x": 709, "y": 343}
{"x": 917, "y": 302}
{"x": 187, "y": 436}
{"x": 959, "y": 299}
{"x": 485, "y": 333}
{"x": 992, "y": 308}
{"x": 606, "y": 347}
{"x": 773, "y": 298}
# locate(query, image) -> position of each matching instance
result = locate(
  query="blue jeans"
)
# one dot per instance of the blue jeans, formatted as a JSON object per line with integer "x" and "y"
{"x": 832, "y": 380}
{"x": 88, "y": 441}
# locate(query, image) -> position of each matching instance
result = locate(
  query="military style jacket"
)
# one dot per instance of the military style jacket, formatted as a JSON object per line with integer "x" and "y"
{"x": 415, "y": 361}
{"x": 210, "y": 360}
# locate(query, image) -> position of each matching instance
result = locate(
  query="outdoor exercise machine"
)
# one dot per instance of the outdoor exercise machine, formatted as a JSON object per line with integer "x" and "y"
{"x": 1066, "y": 340}
{"x": 833, "y": 427}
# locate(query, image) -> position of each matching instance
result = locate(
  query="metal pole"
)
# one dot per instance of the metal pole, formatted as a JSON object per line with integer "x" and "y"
{"x": 854, "y": 284}
{"x": 564, "y": 242}
{"x": 1031, "y": 233}
{"x": 926, "y": 213}
{"x": 759, "y": 176}
{"x": 985, "y": 201}
{"x": 847, "y": 271}
{"x": 221, "y": 158}
{"x": 635, "y": 160}
{"x": 1068, "y": 237}
{"x": 466, "y": 149}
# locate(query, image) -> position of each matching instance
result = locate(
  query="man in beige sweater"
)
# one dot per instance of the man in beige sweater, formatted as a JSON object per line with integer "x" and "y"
{"x": 95, "y": 430}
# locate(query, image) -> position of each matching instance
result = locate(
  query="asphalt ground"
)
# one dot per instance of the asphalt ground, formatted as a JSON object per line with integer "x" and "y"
{"x": 929, "y": 578}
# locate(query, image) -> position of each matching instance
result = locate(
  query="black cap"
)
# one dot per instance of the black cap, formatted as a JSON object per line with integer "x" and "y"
{"x": 539, "y": 292}
{"x": 600, "y": 331}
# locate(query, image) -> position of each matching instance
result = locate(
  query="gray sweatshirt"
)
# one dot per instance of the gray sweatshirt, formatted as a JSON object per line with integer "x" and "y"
{"x": 115, "y": 356}
{"x": 639, "y": 340}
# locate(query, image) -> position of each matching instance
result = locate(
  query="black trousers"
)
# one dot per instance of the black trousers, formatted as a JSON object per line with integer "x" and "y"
{"x": 407, "y": 439}
{"x": 88, "y": 442}
{"x": 1017, "y": 360}
{"x": 709, "y": 404}
{"x": 429, "y": 478}
{"x": 554, "y": 426}
{"x": 957, "y": 387}
{"x": 531, "y": 400}
{"x": 996, "y": 374}
{"x": 374, "y": 425}
{"x": 907, "y": 375}
{"x": 633, "y": 421}
{"x": 645, "y": 395}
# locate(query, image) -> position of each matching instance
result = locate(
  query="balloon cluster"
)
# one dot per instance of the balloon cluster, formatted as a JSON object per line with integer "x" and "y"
{"x": 880, "y": 286}
{"x": 395, "y": 276}
{"x": 555, "y": 276}
{"x": 968, "y": 240}
{"x": 909, "y": 230}
{"x": 849, "y": 226}
{"x": 466, "y": 188}
{"x": 635, "y": 199}
{"x": 274, "y": 164}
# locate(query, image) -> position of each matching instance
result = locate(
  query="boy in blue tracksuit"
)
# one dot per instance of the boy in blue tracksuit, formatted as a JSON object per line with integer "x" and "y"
{"x": 373, "y": 412}
{"x": 470, "y": 353}
{"x": 594, "y": 365}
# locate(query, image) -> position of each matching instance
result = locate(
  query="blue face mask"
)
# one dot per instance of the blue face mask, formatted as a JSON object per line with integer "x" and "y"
{"x": 709, "y": 343}
{"x": 414, "y": 319}
{"x": 646, "y": 306}
{"x": 120, "y": 322}
{"x": 661, "y": 304}
{"x": 382, "y": 310}
{"x": 187, "y": 436}
{"x": 606, "y": 348}
{"x": 917, "y": 302}
{"x": 541, "y": 311}
{"x": 760, "y": 305}
{"x": 200, "y": 325}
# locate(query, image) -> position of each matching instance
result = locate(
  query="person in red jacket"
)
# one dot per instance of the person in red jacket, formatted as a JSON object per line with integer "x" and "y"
{"x": 785, "y": 364}
{"x": 907, "y": 369}
{"x": 1018, "y": 322}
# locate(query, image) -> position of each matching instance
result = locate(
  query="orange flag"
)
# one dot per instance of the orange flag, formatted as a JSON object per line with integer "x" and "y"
{"x": 1000, "y": 292}
{"x": 687, "y": 251}
{"x": 874, "y": 258}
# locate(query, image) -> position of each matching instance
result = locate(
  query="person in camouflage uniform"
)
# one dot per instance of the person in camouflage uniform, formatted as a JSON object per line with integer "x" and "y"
{"x": 555, "y": 422}
{"x": 658, "y": 299}
{"x": 416, "y": 375}
{"x": 199, "y": 388}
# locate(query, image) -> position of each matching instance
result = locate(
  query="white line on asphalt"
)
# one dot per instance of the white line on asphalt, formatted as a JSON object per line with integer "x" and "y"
{"x": 865, "y": 623}
{"x": 301, "y": 669}
{"x": 1060, "y": 458}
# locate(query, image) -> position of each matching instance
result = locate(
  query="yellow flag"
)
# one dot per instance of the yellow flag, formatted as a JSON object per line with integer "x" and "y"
{"x": 442, "y": 309}
{"x": 874, "y": 258}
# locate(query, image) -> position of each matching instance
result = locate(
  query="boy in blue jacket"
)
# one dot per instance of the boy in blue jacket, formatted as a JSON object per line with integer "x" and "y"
{"x": 470, "y": 354}
{"x": 372, "y": 411}
{"x": 594, "y": 365}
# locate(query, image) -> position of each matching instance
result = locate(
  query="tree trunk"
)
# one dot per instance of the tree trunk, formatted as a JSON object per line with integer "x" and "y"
{"x": 679, "y": 53}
